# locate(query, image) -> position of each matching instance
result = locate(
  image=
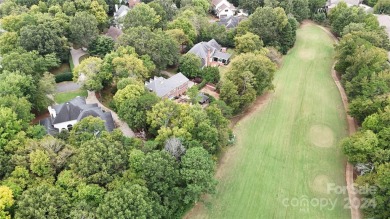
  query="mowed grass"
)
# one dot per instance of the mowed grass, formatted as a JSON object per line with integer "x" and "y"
{"x": 66, "y": 96}
{"x": 287, "y": 153}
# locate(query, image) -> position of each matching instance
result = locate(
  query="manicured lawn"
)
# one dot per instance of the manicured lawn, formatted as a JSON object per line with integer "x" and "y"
{"x": 66, "y": 96}
{"x": 287, "y": 152}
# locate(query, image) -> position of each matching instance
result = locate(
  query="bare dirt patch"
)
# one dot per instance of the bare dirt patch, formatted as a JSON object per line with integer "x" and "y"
{"x": 210, "y": 92}
{"x": 320, "y": 184}
{"x": 321, "y": 136}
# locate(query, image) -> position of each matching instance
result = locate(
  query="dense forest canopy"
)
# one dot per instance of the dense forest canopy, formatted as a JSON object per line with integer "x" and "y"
{"x": 92, "y": 173}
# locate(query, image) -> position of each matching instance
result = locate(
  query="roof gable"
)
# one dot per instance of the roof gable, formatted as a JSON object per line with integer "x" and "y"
{"x": 77, "y": 109}
{"x": 384, "y": 20}
{"x": 122, "y": 11}
{"x": 348, "y": 2}
{"x": 162, "y": 86}
{"x": 201, "y": 49}
{"x": 216, "y": 2}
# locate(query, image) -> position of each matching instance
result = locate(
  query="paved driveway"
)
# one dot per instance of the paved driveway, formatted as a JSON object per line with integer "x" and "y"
{"x": 126, "y": 130}
{"x": 76, "y": 54}
{"x": 67, "y": 86}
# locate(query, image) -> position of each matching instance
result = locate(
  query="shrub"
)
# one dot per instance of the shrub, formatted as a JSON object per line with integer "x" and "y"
{"x": 202, "y": 84}
{"x": 189, "y": 65}
{"x": 66, "y": 76}
{"x": 319, "y": 17}
{"x": 211, "y": 74}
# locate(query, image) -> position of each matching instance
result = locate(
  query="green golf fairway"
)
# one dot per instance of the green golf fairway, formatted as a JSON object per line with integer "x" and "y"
{"x": 287, "y": 153}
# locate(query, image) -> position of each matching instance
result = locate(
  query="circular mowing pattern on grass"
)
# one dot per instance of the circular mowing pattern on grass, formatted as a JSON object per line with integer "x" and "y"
{"x": 321, "y": 136}
{"x": 320, "y": 184}
{"x": 307, "y": 54}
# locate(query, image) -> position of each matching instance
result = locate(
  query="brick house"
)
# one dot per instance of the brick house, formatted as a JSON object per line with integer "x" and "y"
{"x": 170, "y": 88}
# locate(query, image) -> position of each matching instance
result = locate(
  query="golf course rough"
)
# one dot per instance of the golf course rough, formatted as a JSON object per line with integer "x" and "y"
{"x": 287, "y": 161}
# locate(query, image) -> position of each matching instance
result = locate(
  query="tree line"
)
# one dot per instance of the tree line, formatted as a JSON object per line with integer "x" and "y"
{"x": 89, "y": 172}
{"x": 362, "y": 62}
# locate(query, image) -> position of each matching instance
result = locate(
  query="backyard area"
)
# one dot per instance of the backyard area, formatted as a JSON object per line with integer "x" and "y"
{"x": 66, "y": 96}
{"x": 66, "y": 88}
{"x": 287, "y": 153}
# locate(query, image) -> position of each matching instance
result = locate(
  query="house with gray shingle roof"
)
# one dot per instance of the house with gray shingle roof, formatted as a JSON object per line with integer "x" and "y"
{"x": 210, "y": 52}
{"x": 121, "y": 12}
{"x": 65, "y": 116}
{"x": 223, "y": 8}
{"x": 333, "y": 3}
{"x": 168, "y": 88}
{"x": 231, "y": 22}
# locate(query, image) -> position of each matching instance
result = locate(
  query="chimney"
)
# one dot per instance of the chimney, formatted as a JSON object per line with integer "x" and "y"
{"x": 52, "y": 112}
{"x": 116, "y": 7}
{"x": 208, "y": 57}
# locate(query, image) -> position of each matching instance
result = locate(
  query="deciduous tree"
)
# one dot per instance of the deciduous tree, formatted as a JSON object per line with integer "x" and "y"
{"x": 251, "y": 5}
{"x": 17, "y": 84}
{"x": 270, "y": 24}
{"x": 19, "y": 105}
{"x": 99, "y": 12}
{"x": 45, "y": 38}
{"x": 129, "y": 201}
{"x": 382, "y": 7}
{"x": 161, "y": 173}
{"x": 133, "y": 110}
{"x": 258, "y": 66}
{"x": 248, "y": 42}
{"x": 178, "y": 35}
{"x": 83, "y": 28}
{"x": 130, "y": 66}
{"x": 9, "y": 41}
{"x": 190, "y": 64}
{"x": 99, "y": 160}
{"x": 101, "y": 46}
{"x": 162, "y": 49}
{"x": 211, "y": 74}
{"x": 90, "y": 74}
{"x": 142, "y": 15}
{"x": 202, "y": 4}
{"x": 360, "y": 146}
{"x": 186, "y": 26}
{"x": 131, "y": 91}
{"x": 43, "y": 201}
{"x": 28, "y": 63}
{"x": 300, "y": 9}
{"x": 197, "y": 170}
{"x": 86, "y": 130}
{"x": 6, "y": 201}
